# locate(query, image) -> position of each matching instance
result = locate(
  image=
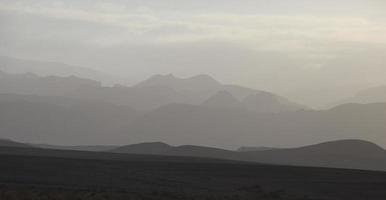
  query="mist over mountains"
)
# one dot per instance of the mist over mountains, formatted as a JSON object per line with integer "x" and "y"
{"x": 157, "y": 91}
{"x": 199, "y": 110}
{"x": 45, "y": 68}
{"x": 163, "y": 100}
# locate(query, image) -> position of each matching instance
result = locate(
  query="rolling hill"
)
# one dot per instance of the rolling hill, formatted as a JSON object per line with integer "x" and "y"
{"x": 10, "y": 143}
{"x": 354, "y": 154}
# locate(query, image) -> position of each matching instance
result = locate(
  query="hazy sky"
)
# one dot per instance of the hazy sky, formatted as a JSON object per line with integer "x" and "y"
{"x": 293, "y": 47}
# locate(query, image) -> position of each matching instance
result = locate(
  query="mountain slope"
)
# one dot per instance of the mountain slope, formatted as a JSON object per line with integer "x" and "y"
{"x": 267, "y": 102}
{"x": 337, "y": 154}
{"x": 42, "y": 120}
{"x": 95, "y": 148}
{"x": 222, "y": 99}
{"x": 10, "y": 143}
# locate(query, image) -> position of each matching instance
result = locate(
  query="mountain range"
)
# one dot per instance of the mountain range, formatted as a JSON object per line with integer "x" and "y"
{"x": 58, "y": 120}
{"x": 349, "y": 154}
{"x": 68, "y": 110}
{"x": 150, "y": 94}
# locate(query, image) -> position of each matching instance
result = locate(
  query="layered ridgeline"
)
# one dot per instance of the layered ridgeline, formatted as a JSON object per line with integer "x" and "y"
{"x": 197, "y": 110}
{"x": 350, "y": 154}
{"x": 58, "y": 120}
{"x": 357, "y": 154}
{"x": 157, "y": 91}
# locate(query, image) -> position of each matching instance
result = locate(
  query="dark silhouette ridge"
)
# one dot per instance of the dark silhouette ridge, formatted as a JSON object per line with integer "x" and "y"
{"x": 357, "y": 154}
{"x": 10, "y": 143}
{"x": 350, "y": 154}
{"x": 97, "y": 148}
{"x": 247, "y": 149}
{"x": 58, "y": 174}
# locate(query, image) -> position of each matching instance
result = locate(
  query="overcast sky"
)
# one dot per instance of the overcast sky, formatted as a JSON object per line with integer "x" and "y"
{"x": 293, "y": 47}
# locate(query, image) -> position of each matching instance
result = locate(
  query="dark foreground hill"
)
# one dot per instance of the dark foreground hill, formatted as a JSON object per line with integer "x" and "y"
{"x": 53, "y": 174}
{"x": 10, "y": 143}
{"x": 356, "y": 154}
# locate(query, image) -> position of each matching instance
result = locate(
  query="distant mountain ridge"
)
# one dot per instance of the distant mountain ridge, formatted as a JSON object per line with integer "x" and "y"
{"x": 70, "y": 121}
{"x": 370, "y": 95}
{"x": 47, "y": 68}
{"x": 148, "y": 95}
{"x": 204, "y": 90}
